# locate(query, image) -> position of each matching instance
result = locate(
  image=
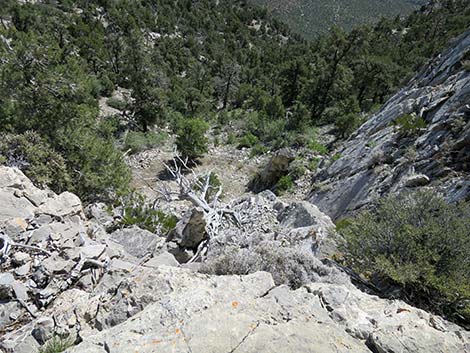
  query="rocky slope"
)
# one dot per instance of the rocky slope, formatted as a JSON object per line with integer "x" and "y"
{"x": 64, "y": 274}
{"x": 383, "y": 157}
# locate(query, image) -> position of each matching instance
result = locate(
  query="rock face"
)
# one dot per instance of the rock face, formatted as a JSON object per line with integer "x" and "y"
{"x": 65, "y": 275}
{"x": 381, "y": 158}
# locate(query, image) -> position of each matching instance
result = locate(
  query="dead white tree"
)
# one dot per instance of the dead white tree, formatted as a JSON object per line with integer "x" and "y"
{"x": 198, "y": 190}
{"x": 7, "y": 244}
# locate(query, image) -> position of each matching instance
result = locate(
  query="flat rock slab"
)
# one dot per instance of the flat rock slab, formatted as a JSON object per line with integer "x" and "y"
{"x": 180, "y": 311}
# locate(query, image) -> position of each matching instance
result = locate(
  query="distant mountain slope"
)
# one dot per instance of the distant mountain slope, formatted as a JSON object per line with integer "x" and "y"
{"x": 312, "y": 17}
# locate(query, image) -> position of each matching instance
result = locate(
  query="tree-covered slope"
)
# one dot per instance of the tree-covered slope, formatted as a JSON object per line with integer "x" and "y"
{"x": 185, "y": 65}
{"x": 313, "y": 17}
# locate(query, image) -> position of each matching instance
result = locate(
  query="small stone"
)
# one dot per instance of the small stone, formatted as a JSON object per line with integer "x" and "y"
{"x": 43, "y": 329}
{"x": 437, "y": 323}
{"x": 15, "y": 315}
{"x": 99, "y": 212}
{"x": 20, "y": 290}
{"x": 163, "y": 259}
{"x": 135, "y": 241}
{"x": 65, "y": 204}
{"x": 304, "y": 214}
{"x": 14, "y": 227}
{"x": 41, "y": 234}
{"x": 31, "y": 284}
{"x": 6, "y": 283}
{"x": 92, "y": 251}
{"x": 56, "y": 236}
{"x": 280, "y": 206}
{"x": 36, "y": 197}
{"x": 28, "y": 345}
{"x": 56, "y": 265}
{"x": 20, "y": 258}
{"x": 43, "y": 219}
{"x": 268, "y": 195}
{"x": 8, "y": 311}
{"x": 120, "y": 265}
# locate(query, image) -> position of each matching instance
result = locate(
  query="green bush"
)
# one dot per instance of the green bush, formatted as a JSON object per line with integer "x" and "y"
{"x": 116, "y": 103}
{"x": 191, "y": 140}
{"x": 56, "y": 345}
{"x": 336, "y": 157}
{"x": 275, "y": 109}
{"x": 420, "y": 243}
{"x": 107, "y": 86}
{"x": 297, "y": 117}
{"x": 343, "y": 223}
{"x": 410, "y": 124}
{"x": 313, "y": 164}
{"x": 231, "y": 138}
{"x": 248, "y": 140}
{"x": 137, "y": 141}
{"x": 258, "y": 150}
{"x": 297, "y": 168}
{"x": 347, "y": 124}
{"x": 36, "y": 158}
{"x": 97, "y": 168}
{"x": 273, "y": 130}
{"x": 138, "y": 211}
{"x": 284, "y": 184}
{"x": 317, "y": 147}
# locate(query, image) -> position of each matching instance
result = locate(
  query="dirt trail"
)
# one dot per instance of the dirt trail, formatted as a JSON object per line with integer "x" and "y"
{"x": 233, "y": 167}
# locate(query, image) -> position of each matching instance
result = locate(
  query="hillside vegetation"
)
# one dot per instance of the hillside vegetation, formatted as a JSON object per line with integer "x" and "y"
{"x": 186, "y": 133}
{"x": 229, "y": 64}
{"x": 311, "y": 18}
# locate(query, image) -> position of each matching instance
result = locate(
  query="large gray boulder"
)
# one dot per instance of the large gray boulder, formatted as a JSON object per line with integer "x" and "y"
{"x": 304, "y": 214}
{"x": 378, "y": 159}
{"x": 190, "y": 230}
{"x": 20, "y": 200}
{"x": 277, "y": 167}
{"x": 136, "y": 241}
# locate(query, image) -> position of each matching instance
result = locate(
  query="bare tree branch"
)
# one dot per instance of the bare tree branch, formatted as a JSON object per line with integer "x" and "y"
{"x": 196, "y": 190}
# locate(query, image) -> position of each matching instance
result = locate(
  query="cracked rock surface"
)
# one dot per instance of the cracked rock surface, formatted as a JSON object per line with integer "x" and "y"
{"x": 67, "y": 275}
{"x": 379, "y": 159}
{"x": 197, "y": 313}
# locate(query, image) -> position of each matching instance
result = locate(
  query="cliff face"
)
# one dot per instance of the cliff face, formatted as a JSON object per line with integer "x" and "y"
{"x": 385, "y": 155}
